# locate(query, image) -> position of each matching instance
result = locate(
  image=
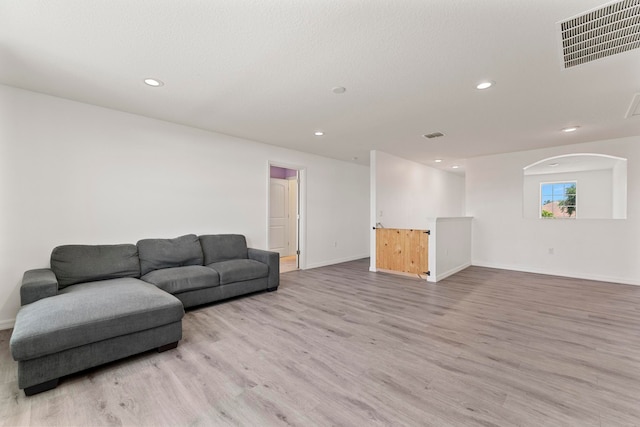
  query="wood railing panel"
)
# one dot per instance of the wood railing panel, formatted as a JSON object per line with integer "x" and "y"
{"x": 389, "y": 250}
{"x": 424, "y": 252}
{"x": 402, "y": 250}
{"x": 413, "y": 251}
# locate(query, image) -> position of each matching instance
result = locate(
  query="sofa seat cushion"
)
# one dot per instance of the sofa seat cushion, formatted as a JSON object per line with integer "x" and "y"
{"x": 238, "y": 270}
{"x": 183, "y": 279}
{"x": 90, "y": 312}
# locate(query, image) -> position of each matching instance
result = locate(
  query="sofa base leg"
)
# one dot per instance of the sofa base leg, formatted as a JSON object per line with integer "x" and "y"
{"x": 272, "y": 289}
{"x": 167, "y": 347}
{"x": 39, "y": 388}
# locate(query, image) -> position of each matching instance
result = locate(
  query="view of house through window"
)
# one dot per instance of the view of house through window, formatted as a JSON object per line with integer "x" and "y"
{"x": 558, "y": 199}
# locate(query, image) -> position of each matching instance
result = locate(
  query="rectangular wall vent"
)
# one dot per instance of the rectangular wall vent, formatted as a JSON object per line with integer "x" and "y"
{"x": 609, "y": 30}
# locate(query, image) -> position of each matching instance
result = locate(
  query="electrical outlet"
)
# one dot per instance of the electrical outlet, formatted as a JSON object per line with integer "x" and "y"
{"x": 335, "y": 244}
{"x": 551, "y": 251}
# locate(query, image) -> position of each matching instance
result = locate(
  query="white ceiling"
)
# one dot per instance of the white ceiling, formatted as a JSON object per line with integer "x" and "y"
{"x": 264, "y": 70}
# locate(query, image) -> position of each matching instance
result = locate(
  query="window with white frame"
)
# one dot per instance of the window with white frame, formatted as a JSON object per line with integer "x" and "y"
{"x": 558, "y": 199}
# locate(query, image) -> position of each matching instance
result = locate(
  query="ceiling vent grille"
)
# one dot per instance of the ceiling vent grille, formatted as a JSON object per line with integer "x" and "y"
{"x": 602, "y": 32}
{"x": 435, "y": 134}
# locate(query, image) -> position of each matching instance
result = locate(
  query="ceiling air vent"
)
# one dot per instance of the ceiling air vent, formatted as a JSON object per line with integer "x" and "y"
{"x": 609, "y": 30}
{"x": 435, "y": 134}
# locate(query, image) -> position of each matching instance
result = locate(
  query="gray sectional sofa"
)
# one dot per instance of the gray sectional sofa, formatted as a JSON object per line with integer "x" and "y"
{"x": 101, "y": 303}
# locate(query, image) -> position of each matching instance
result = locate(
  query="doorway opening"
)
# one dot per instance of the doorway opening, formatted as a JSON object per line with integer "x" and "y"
{"x": 284, "y": 228}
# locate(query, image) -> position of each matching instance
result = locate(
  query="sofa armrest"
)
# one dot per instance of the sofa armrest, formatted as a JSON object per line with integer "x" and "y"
{"x": 272, "y": 259}
{"x": 38, "y": 284}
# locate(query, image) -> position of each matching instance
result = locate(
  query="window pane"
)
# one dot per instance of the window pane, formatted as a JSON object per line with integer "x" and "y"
{"x": 558, "y": 200}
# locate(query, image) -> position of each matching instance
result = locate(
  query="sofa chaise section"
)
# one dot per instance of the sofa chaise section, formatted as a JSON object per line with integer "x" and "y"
{"x": 71, "y": 321}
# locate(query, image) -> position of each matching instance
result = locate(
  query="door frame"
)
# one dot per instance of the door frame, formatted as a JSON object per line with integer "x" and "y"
{"x": 302, "y": 207}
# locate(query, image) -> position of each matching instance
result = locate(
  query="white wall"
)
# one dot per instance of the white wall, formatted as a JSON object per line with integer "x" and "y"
{"x": 599, "y": 249}
{"x": 76, "y": 173}
{"x": 619, "y": 196}
{"x": 406, "y": 194}
{"x": 409, "y": 193}
{"x": 449, "y": 246}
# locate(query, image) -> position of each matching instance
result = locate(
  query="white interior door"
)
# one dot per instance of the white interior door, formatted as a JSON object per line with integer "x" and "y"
{"x": 293, "y": 216}
{"x": 279, "y": 216}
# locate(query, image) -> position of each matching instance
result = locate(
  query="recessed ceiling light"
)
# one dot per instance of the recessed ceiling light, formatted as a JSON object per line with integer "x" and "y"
{"x": 484, "y": 85}
{"x": 570, "y": 129}
{"x": 318, "y": 133}
{"x": 153, "y": 82}
{"x": 438, "y": 160}
{"x": 455, "y": 167}
{"x": 338, "y": 90}
{"x": 354, "y": 158}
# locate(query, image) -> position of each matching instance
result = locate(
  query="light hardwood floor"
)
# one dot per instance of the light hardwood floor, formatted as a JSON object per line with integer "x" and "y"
{"x": 340, "y": 345}
{"x": 288, "y": 263}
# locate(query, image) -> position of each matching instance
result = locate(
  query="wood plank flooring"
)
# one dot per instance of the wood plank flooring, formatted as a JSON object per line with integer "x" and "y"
{"x": 288, "y": 263}
{"x": 340, "y": 345}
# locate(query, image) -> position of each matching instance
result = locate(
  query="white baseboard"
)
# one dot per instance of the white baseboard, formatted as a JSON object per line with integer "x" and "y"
{"x": 452, "y": 271}
{"x": 7, "y": 324}
{"x": 599, "y": 278}
{"x": 335, "y": 261}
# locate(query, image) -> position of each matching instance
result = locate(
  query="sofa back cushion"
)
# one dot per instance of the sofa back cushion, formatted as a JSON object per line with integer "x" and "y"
{"x": 86, "y": 263}
{"x": 223, "y": 247}
{"x": 165, "y": 253}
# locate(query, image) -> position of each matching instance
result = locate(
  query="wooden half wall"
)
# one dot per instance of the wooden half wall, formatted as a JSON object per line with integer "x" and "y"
{"x": 442, "y": 251}
{"x": 402, "y": 250}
